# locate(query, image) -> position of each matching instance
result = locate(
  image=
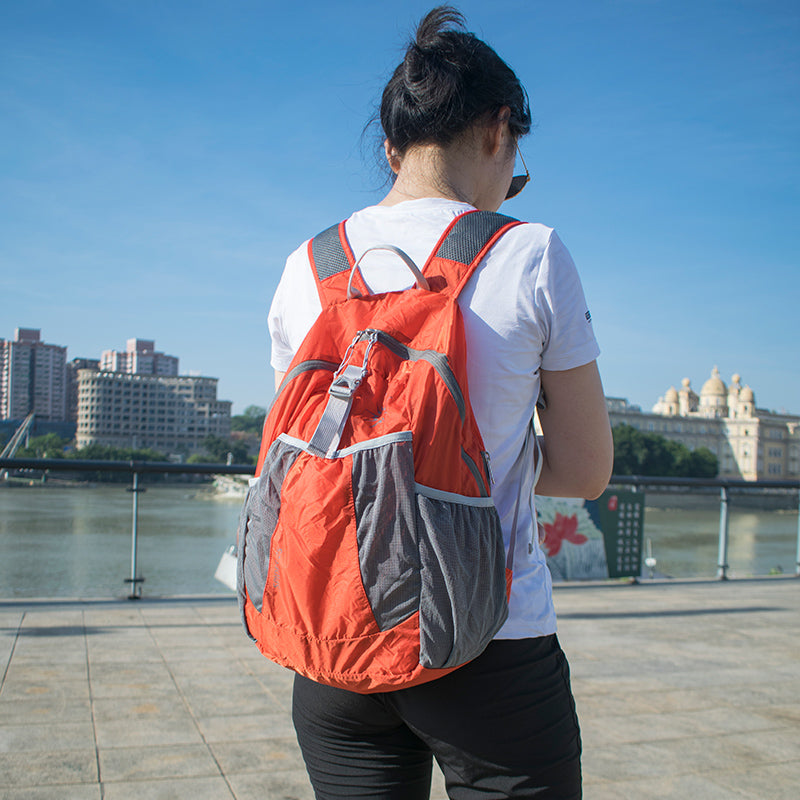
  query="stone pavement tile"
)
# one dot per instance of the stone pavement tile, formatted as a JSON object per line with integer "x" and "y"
{"x": 84, "y": 791}
{"x": 265, "y": 754}
{"x": 291, "y": 784}
{"x": 770, "y": 782}
{"x": 227, "y": 682}
{"x": 679, "y": 787}
{"x": 156, "y": 730}
{"x": 204, "y": 649}
{"x": 665, "y": 758}
{"x": 115, "y": 616}
{"x": 788, "y": 714}
{"x": 124, "y": 649}
{"x": 592, "y": 684}
{"x": 294, "y": 785}
{"x": 47, "y": 670}
{"x": 772, "y": 746}
{"x": 682, "y": 700}
{"x": 753, "y": 695}
{"x": 666, "y": 700}
{"x": 53, "y": 707}
{"x": 119, "y": 764}
{"x": 23, "y": 687}
{"x": 246, "y": 727}
{"x": 42, "y": 651}
{"x": 140, "y": 707}
{"x": 277, "y": 682}
{"x": 611, "y": 703}
{"x": 33, "y": 768}
{"x": 730, "y": 719}
{"x": 46, "y": 738}
{"x": 714, "y": 676}
{"x": 173, "y": 789}
{"x": 603, "y": 730}
{"x": 111, "y": 681}
{"x": 222, "y": 702}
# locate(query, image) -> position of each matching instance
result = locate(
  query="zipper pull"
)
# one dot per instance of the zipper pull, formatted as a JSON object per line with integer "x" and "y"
{"x": 487, "y": 463}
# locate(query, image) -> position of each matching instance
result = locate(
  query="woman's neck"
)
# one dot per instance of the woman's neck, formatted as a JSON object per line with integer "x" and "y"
{"x": 432, "y": 171}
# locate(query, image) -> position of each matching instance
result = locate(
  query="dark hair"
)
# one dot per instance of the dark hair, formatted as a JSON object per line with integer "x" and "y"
{"x": 448, "y": 80}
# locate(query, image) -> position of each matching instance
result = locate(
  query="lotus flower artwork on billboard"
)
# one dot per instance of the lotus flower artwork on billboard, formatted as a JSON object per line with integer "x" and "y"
{"x": 592, "y": 539}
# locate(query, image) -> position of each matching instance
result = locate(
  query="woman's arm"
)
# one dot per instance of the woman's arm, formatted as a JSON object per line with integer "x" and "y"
{"x": 577, "y": 447}
{"x": 278, "y": 379}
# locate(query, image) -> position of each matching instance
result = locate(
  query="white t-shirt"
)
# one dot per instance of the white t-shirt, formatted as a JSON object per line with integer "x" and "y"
{"x": 523, "y": 309}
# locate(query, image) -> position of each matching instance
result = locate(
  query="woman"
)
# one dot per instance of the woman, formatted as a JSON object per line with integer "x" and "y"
{"x": 504, "y": 725}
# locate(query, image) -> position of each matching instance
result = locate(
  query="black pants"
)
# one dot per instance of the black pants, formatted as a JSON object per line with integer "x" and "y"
{"x": 502, "y": 726}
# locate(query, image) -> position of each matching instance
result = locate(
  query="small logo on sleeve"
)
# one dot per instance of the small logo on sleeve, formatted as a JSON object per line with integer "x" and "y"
{"x": 588, "y": 316}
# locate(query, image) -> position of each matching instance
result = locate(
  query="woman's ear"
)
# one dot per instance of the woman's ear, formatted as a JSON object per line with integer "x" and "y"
{"x": 497, "y": 130}
{"x": 391, "y": 156}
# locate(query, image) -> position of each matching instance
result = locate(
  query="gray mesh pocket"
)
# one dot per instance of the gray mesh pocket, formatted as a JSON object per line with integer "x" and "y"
{"x": 463, "y": 588}
{"x": 383, "y": 494}
{"x": 257, "y": 523}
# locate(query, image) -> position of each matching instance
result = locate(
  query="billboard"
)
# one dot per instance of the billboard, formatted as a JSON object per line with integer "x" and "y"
{"x": 592, "y": 539}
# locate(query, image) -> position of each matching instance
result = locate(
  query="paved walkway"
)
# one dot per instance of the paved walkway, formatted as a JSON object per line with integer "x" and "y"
{"x": 685, "y": 690}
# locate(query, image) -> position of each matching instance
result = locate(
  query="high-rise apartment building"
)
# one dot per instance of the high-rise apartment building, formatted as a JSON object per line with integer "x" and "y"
{"x": 73, "y": 367}
{"x": 139, "y": 358}
{"x": 170, "y": 414}
{"x": 137, "y": 399}
{"x": 32, "y": 377}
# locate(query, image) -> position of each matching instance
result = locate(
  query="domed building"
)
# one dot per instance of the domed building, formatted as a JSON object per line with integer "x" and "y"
{"x": 749, "y": 442}
{"x": 714, "y": 397}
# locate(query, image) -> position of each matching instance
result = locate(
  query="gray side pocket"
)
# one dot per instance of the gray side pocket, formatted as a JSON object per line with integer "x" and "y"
{"x": 383, "y": 494}
{"x": 257, "y": 523}
{"x": 463, "y": 594}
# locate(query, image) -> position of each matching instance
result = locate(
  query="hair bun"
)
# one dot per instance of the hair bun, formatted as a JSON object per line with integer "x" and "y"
{"x": 448, "y": 79}
{"x": 440, "y": 20}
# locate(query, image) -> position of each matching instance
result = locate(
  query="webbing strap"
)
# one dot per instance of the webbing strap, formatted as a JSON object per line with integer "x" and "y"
{"x": 340, "y": 398}
{"x": 346, "y": 380}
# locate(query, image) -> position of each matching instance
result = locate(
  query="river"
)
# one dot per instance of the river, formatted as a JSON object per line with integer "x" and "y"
{"x": 60, "y": 541}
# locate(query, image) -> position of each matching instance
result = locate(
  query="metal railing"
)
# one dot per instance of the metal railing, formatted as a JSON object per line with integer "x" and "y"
{"x": 136, "y": 468}
{"x": 725, "y": 485}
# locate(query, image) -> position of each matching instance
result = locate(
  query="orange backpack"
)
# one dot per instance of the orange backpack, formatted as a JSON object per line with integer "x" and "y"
{"x": 370, "y": 554}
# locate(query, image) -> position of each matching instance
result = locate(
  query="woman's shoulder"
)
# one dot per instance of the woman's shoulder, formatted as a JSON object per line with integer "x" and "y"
{"x": 530, "y": 241}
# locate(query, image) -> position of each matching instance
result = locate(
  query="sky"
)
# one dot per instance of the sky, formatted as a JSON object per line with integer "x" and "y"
{"x": 159, "y": 160}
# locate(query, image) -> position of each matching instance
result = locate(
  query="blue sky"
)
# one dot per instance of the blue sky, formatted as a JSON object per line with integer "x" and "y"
{"x": 158, "y": 161}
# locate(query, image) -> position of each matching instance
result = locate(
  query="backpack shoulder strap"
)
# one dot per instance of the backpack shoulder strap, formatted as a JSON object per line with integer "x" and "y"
{"x": 331, "y": 260}
{"x": 456, "y": 255}
{"x": 461, "y": 248}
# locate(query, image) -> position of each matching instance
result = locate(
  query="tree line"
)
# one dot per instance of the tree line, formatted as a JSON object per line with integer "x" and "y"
{"x": 637, "y": 453}
{"x": 215, "y": 449}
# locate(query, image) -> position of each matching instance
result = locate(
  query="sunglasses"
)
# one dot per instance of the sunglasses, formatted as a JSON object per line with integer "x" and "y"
{"x": 518, "y": 182}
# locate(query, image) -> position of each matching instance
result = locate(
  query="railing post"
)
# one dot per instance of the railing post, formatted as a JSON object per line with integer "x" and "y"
{"x": 722, "y": 557}
{"x": 135, "y": 581}
{"x": 797, "y": 563}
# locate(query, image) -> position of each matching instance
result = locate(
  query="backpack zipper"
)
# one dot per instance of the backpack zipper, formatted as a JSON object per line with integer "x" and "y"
{"x": 476, "y": 473}
{"x": 436, "y": 359}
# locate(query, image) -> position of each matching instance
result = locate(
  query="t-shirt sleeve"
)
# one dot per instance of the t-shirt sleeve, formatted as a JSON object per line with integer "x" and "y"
{"x": 569, "y": 339}
{"x": 294, "y": 309}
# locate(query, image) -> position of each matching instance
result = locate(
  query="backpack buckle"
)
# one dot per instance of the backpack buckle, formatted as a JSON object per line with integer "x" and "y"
{"x": 346, "y": 382}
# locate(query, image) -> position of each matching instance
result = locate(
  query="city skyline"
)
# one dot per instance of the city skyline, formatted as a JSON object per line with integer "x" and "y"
{"x": 142, "y": 351}
{"x": 161, "y": 160}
